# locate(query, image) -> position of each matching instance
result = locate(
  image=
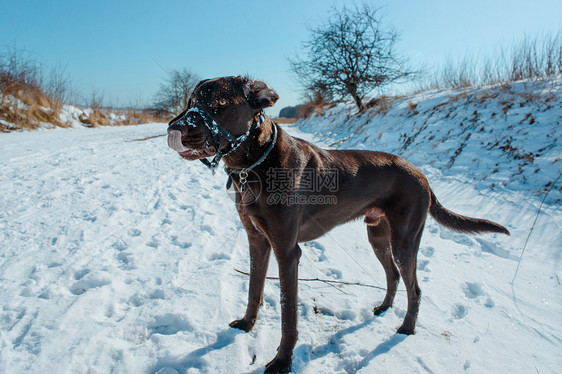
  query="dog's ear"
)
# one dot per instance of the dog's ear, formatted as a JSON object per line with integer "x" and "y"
{"x": 259, "y": 94}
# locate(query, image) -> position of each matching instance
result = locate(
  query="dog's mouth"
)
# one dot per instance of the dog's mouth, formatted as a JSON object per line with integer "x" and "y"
{"x": 188, "y": 153}
{"x": 193, "y": 154}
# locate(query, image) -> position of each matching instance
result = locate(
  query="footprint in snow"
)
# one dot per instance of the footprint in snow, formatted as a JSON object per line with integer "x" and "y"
{"x": 317, "y": 250}
{"x": 270, "y": 301}
{"x": 134, "y": 232}
{"x": 177, "y": 243}
{"x": 153, "y": 243}
{"x": 89, "y": 217}
{"x": 140, "y": 298}
{"x": 475, "y": 291}
{"x": 428, "y": 251}
{"x": 472, "y": 290}
{"x": 422, "y": 265}
{"x": 169, "y": 324}
{"x": 219, "y": 256}
{"x": 457, "y": 238}
{"x": 120, "y": 245}
{"x": 459, "y": 311}
{"x": 346, "y": 315}
{"x": 81, "y": 274}
{"x": 333, "y": 273}
{"x": 492, "y": 248}
{"x": 125, "y": 261}
{"x": 316, "y": 245}
{"x": 84, "y": 285}
{"x": 206, "y": 196}
{"x": 208, "y": 228}
{"x": 433, "y": 229}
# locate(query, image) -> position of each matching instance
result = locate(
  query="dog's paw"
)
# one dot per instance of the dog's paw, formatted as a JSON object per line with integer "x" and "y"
{"x": 406, "y": 331}
{"x": 242, "y": 324}
{"x": 380, "y": 309}
{"x": 278, "y": 365}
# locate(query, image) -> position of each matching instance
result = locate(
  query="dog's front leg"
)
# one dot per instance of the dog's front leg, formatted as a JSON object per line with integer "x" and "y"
{"x": 288, "y": 260}
{"x": 259, "y": 260}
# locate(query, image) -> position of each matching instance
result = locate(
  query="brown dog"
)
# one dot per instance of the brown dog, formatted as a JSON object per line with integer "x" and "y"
{"x": 224, "y": 119}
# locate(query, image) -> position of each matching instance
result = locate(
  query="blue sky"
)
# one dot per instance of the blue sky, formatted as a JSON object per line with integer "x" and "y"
{"x": 108, "y": 45}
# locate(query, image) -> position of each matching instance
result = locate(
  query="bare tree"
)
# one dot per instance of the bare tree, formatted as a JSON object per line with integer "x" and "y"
{"x": 351, "y": 54}
{"x": 175, "y": 91}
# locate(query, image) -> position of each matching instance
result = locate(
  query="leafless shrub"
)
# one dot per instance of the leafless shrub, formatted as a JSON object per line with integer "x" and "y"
{"x": 59, "y": 86}
{"x": 18, "y": 69}
{"x": 537, "y": 57}
{"x": 531, "y": 58}
{"x": 95, "y": 100}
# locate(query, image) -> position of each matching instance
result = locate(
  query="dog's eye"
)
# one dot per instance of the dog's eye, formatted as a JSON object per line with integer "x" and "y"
{"x": 222, "y": 102}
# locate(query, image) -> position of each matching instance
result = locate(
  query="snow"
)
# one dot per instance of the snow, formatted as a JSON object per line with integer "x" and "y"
{"x": 70, "y": 115}
{"x": 119, "y": 256}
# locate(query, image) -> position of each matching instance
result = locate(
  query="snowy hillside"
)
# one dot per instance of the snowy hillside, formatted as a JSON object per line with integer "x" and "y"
{"x": 119, "y": 256}
{"x": 498, "y": 136}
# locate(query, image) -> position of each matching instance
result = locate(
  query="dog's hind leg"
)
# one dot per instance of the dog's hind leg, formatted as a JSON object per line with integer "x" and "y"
{"x": 404, "y": 249}
{"x": 259, "y": 260}
{"x": 379, "y": 237}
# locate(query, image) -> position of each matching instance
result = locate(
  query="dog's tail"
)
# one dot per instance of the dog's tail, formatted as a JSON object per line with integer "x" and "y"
{"x": 459, "y": 223}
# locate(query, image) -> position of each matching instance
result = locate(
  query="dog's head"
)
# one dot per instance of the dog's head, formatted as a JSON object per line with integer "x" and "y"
{"x": 232, "y": 102}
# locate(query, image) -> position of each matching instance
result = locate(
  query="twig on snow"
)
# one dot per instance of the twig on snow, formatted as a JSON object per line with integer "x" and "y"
{"x": 327, "y": 281}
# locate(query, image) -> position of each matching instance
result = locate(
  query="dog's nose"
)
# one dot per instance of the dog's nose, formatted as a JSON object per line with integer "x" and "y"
{"x": 183, "y": 121}
{"x": 179, "y": 123}
{"x": 176, "y": 126}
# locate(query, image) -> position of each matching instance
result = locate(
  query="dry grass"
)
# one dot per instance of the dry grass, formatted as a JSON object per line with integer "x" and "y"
{"x": 286, "y": 121}
{"x": 32, "y": 109}
{"x": 531, "y": 58}
{"x": 316, "y": 106}
{"x": 26, "y": 106}
{"x": 147, "y": 116}
{"x": 103, "y": 117}
{"x": 380, "y": 105}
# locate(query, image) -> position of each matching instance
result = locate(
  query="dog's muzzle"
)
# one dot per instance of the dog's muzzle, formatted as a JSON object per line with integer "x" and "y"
{"x": 174, "y": 135}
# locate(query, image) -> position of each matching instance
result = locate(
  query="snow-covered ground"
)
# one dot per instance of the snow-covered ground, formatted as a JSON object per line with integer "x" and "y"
{"x": 118, "y": 256}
